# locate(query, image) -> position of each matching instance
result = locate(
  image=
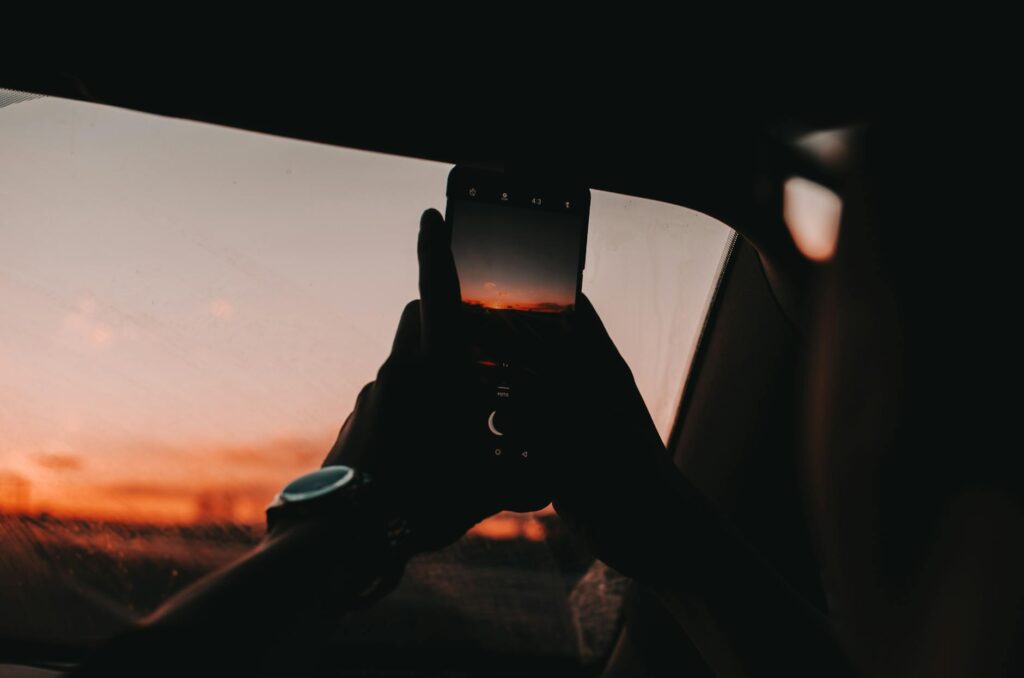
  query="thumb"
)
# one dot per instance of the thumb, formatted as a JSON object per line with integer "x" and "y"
{"x": 440, "y": 297}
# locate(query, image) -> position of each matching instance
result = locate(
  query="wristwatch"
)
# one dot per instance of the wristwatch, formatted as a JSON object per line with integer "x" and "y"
{"x": 350, "y": 503}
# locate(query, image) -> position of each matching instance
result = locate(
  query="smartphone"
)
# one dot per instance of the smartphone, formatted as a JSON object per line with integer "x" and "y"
{"x": 519, "y": 244}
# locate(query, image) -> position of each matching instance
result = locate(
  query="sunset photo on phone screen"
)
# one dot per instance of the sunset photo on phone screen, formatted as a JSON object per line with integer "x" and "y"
{"x": 516, "y": 259}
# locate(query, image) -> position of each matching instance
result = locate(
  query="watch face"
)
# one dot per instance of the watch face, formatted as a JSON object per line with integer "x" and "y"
{"x": 317, "y": 483}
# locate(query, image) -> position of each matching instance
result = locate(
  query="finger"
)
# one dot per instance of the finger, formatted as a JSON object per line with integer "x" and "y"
{"x": 587, "y": 319}
{"x": 439, "y": 284}
{"x": 591, "y": 342}
{"x": 347, "y": 432}
{"x": 407, "y": 337}
{"x": 362, "y": 399}
{"x": 565, "y": 512}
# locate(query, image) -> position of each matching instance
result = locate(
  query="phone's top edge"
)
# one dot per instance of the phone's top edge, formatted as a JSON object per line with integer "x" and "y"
{"x": 487, "y": 186}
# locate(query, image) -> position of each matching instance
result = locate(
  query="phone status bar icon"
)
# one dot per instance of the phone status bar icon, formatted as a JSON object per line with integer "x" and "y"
{"x": 472, "y": 193}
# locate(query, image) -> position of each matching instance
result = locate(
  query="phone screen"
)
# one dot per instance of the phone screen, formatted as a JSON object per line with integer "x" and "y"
{"x": 512, "y": 258}
{"x": 519, "y": 247}
{"x": 518, "y": 243}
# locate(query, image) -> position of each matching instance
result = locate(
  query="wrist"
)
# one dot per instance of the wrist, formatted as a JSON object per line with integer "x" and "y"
{"x": 333, "y": 570}
{"x": 341, "y": 517}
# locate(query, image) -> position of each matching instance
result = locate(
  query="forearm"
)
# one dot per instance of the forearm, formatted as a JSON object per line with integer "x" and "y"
{"x": 745, "y": 619}
{"x": 250, "y": 604}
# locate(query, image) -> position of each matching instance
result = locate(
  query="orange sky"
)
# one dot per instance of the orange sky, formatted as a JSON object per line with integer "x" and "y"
{"x": 188, "y": 312}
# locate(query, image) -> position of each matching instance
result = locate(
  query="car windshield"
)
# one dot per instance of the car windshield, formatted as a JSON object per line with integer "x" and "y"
{"x": 188, "y": 312}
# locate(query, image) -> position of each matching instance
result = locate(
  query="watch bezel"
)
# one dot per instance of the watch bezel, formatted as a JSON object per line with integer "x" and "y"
{"x": 354, "y": 494}
{"x": 287, "y": 496}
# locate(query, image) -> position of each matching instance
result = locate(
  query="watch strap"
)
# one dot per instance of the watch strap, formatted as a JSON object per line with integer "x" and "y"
{"x": 362, "y": 517}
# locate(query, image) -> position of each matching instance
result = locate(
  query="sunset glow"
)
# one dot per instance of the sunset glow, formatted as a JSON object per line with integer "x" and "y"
{"x": 208, "y": 483}
{"x": 188, "y": 311}
{"x": 514, "y": 259}
{"x": 502, "y": 304}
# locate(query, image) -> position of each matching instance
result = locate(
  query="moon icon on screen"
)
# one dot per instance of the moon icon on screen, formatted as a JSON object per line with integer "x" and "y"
{"x": 490, "y": 424}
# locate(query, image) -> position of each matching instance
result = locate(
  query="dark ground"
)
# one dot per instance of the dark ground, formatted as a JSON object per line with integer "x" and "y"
{"x": 65, "y": 585}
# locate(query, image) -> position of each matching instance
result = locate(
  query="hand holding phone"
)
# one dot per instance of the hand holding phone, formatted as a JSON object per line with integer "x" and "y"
{"x": 519, "y": 246}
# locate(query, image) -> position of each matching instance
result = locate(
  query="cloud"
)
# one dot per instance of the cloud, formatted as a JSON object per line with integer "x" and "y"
{"x": 58, "y": 461}
{"x": 185, "y": 503}
{"x": 86, "y": 327}
{"x": 549, "y": 307}
{"x": 282, "y": 452}
{"x": 140, "y": 480}
{"x": 146, "y": 490}
{"x": 221, "y": 308}
{"x": 151, "y": 489}
{"x": 101, "y": 336}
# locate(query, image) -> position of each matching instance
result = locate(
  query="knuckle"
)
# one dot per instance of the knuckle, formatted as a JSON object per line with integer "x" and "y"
{"x": 364, "y": 394}
{"x": 412, "y": 308}
{"x": 389, "y": 368}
